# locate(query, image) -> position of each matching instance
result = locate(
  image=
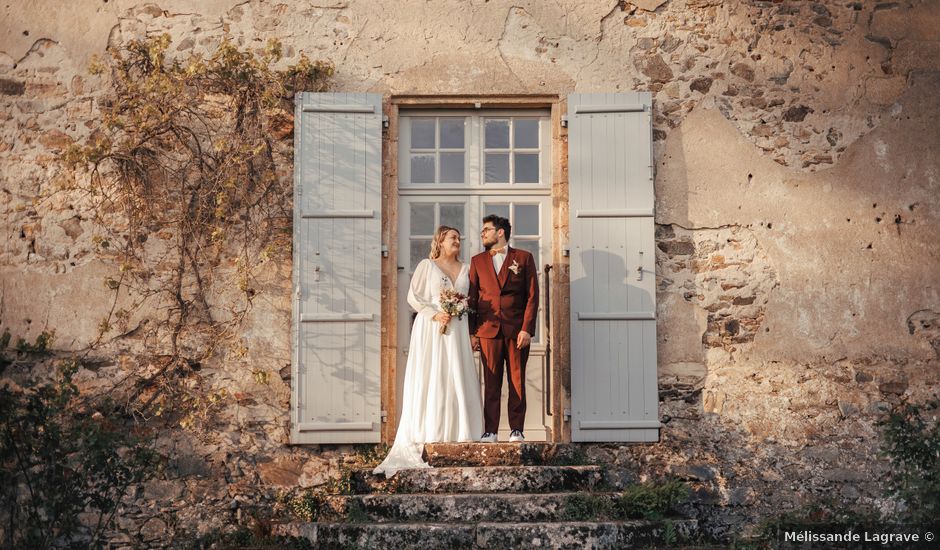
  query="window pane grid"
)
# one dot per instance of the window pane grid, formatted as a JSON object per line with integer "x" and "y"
{"x": 512, "y": 164}
{"x": 430, "y": 161}
{"x": 474, "y": 149}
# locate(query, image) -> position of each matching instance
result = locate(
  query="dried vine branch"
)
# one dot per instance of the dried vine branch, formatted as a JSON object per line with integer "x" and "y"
{"x": 188, "y": 183}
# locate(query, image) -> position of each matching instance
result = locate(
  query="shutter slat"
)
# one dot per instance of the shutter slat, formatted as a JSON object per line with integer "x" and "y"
{"x": 616, "y": 316}
{"x": 336, "y": 317}
{"x": 614, "y": 425}
{"x": 335, "y": 426}
{"x": 613, "y": 294}
{"x": 339, "y": 109}
{"x": 614, "y": 213}
{"x": 332, "y": 214}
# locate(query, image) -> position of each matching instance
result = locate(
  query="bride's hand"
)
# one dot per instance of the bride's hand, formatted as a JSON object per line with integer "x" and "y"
{"x": 442, "y": 318}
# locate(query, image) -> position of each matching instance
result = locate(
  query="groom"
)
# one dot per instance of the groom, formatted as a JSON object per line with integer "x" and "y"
{"x": 504, "y": 293}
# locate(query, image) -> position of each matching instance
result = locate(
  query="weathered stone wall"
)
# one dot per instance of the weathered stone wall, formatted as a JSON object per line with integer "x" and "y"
{"x": 796, "y": 146}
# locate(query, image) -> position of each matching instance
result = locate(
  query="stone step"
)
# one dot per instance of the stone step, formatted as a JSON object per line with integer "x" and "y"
{"x": 488, "y": 479}
{"x": 472, "y": 508}
{"x": 586, "y": 534}
{"x": 502, "y": 454}
{"x": 580, "y": 534}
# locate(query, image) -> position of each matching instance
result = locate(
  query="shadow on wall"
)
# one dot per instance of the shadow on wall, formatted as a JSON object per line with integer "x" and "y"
{"x": 680, "y": 323}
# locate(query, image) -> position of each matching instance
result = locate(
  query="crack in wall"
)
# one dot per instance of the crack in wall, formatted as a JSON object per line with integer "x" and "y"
{"x": 502, "y": 36}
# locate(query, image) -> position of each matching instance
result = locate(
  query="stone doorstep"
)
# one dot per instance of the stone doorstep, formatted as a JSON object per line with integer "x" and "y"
{"x": 496, "y": 454}
{"x": 484, "y": 479}
{"x": 573, "y": 534}
{"x": 462, "y": 508}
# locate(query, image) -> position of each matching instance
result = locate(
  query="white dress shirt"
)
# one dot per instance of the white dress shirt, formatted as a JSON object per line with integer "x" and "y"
{"x": 499, "y": 258}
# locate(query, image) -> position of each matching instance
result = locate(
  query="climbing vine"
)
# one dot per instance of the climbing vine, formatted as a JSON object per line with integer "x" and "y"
{"x": 187, "y": 173}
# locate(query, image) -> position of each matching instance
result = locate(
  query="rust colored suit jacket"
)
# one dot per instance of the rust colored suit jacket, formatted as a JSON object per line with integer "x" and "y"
{"x": 507, "y": 300}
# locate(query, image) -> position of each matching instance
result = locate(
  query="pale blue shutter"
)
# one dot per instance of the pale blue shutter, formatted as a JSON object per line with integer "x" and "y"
{"x": 335, "y": 394}
{"x": 613, "y": 284}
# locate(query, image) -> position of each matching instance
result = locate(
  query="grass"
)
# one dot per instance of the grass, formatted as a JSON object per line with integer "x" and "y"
{"x": 652, "y": 501}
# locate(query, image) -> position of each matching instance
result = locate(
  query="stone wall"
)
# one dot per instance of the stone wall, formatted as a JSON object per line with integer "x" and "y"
{"x": 796, "y": 148}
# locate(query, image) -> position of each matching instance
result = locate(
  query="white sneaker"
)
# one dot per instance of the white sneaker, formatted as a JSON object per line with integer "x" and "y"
{"x": 516, "y": 436}
{"x": 488, "y": 437}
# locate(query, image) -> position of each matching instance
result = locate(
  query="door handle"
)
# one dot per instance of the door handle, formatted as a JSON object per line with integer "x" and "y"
{"x": 639, "y": 268}
{"x": 316, "y": 274}
{"x": 547, "y": 375}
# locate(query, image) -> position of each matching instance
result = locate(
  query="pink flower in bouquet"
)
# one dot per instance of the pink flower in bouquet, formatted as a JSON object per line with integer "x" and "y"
{"x": 454, "y": 304}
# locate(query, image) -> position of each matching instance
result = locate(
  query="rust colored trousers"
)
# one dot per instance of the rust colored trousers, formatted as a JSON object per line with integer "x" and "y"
{"x": 497, "y": 352}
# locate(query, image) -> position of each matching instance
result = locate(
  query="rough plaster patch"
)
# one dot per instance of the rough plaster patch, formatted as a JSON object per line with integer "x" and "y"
{"x": 70, "y": 304}
{"x": 881, "y": 151}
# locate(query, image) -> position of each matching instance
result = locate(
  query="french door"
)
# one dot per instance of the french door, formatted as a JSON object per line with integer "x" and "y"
{"x": 419, "y": 215}
{"x": 454, "y": 168}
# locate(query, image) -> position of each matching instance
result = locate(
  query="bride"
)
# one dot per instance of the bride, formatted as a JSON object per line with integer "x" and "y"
{"x": 441, "y": 399}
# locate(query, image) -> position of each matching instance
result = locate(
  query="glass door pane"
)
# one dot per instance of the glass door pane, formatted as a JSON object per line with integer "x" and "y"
{"x": 424, "y": 219}
{"x": 528, "y": 232}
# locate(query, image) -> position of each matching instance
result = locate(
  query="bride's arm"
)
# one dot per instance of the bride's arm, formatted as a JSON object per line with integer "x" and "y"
{"x": 419, "y": 294}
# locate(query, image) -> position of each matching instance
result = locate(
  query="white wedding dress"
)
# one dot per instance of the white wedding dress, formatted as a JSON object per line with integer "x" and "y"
{"x": 442, "y": 400}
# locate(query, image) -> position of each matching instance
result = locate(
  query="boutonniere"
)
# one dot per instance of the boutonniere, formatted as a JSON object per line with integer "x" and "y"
{"x": 514, "y": 267}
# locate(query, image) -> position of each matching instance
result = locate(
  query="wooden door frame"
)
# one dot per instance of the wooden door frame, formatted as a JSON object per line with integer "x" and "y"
{"x": 559, "y": 356}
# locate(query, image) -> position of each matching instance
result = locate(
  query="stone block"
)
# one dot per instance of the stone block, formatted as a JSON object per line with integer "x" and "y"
{"x": 893, "y": 387}
{"x": 847, "y": 409}
{"x": 845, "y": 474}
{"x": 281, "y": 471}
{"x": 743, "y": 70}
{"x": 163, "y": 490}
{"x": 648, "y": 5}
{"x": 9, "y": 86}
{"x": 655, "y": 68}
{"x": 153, "y": 529}
{"x": 187, "y": 465}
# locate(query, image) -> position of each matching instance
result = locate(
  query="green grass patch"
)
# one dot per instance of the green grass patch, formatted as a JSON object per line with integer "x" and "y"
{"x": 653, "y": 500}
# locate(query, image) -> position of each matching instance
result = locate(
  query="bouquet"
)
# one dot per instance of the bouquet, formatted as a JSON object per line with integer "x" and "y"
{"x": 454, "y": 304}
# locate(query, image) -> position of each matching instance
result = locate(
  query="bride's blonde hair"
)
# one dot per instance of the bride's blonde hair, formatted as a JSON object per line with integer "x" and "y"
{"x": 438, "y": 239}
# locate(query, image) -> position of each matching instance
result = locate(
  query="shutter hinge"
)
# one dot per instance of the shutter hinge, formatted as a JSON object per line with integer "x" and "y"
{"x": 384, "y": 121}
{"x": 566, "y": 252}
{"x": 567, "y": 415}
{"x": 384, "y": 416}
{"x": 564, "y": 121}
{"x": 385, "y": 251}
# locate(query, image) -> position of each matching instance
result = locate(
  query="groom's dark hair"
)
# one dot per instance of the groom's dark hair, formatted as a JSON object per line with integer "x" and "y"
{"x": 499, "y": 222}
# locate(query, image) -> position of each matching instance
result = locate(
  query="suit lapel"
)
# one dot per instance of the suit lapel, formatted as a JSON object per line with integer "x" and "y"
{"x": 505, "y": 268}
